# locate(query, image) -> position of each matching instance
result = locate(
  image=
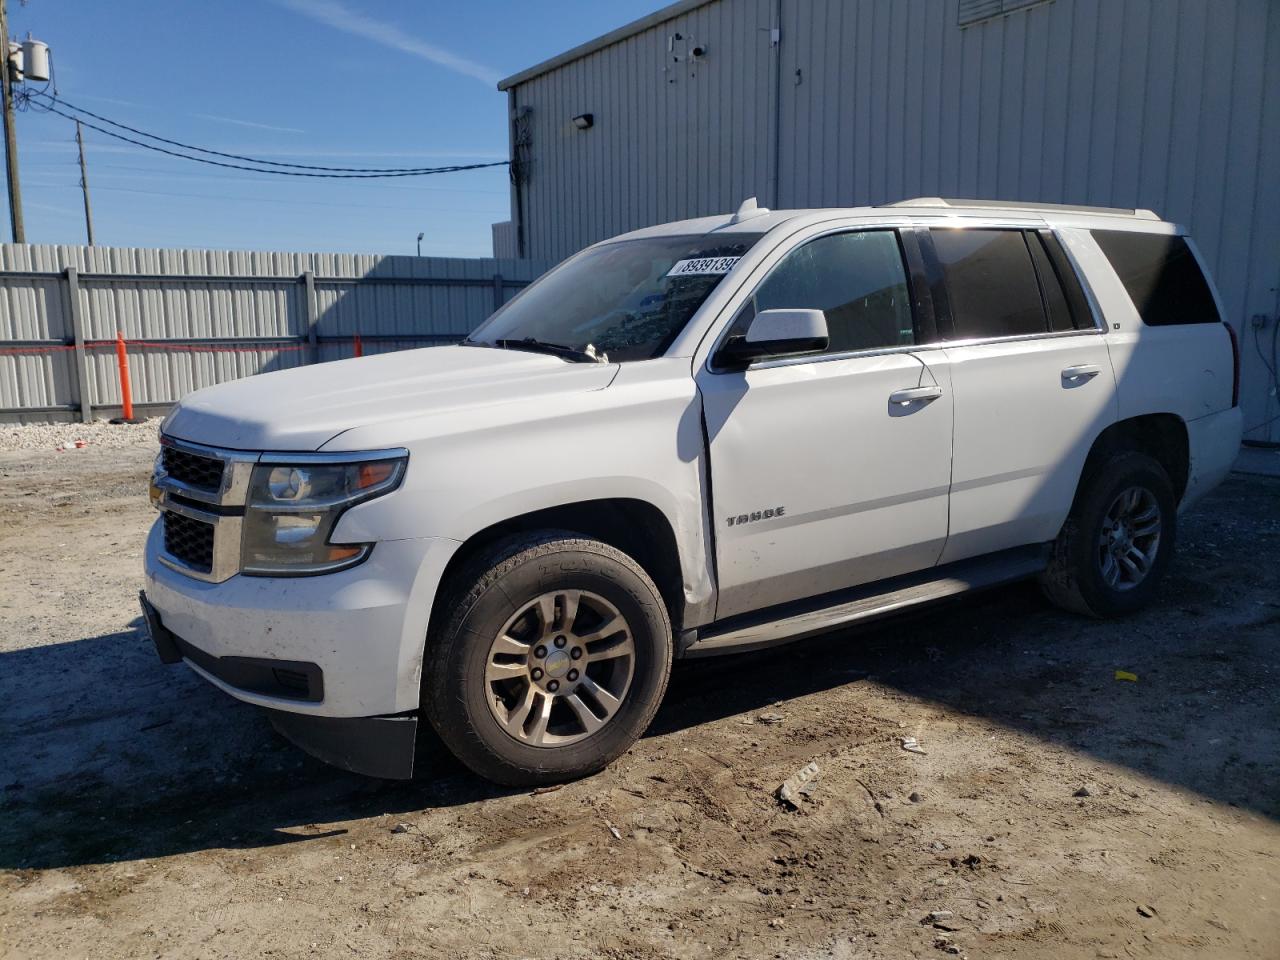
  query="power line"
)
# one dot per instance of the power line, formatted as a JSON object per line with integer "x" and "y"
{"x": 170, "y": 172}
{"x": 51, "y": 104}
{"x": 283, "y": 200}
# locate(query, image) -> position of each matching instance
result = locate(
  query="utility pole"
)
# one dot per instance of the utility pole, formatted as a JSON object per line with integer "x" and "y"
{"x": 10, "y": 134}
{"x": 84, "y": 184}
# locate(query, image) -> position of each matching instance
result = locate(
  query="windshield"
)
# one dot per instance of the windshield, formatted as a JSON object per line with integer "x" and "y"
{"x": 625, "y": 300}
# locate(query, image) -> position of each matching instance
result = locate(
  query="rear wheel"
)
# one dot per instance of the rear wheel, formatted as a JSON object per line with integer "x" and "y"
{"x": 1118, "y": 540}
{"x": 552, "y": 662}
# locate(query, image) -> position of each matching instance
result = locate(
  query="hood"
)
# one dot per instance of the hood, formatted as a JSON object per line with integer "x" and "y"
{"x": 304, "y": 407}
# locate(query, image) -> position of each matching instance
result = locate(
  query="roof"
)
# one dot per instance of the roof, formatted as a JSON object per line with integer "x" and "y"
{"x": 1055, "y": 214}
{"x": 599, "y": 43}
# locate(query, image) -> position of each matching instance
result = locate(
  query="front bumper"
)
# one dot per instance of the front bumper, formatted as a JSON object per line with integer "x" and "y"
{"x": 364, "y": 627}
{"x": 374, "y": 746}
{"x": 343, "y": 646}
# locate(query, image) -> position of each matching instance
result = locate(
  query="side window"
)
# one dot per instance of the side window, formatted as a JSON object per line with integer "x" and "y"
{"x": 1161, "y": 275}
{"x": 991, "y": 283}
{"x": 857, "y": 279}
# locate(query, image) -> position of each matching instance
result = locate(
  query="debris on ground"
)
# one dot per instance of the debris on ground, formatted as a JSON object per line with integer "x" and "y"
{"x": 1082, "y": 792}
{"x": 400, "y": 828}
{"x": 1126, "y": 675}
{"x": 539, "y": 791}
{"x": 916, "y": 796}
{"x": 770, "y": 718}
{"x": 1146, "y": 910}
{"x": 77, "y": 436}
{"x": 800, "y": 784}
{"x": 943, "y": 942}
{"x": 617, "y": 834}
{"x": 911, "y": 745}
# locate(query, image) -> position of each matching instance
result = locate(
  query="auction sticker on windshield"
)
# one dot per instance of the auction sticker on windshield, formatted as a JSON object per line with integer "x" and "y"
{"x": 702, "y": 266}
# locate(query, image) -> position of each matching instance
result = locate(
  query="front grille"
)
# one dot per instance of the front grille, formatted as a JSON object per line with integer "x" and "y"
{"x": 190, "y": 541}
{"x": 193, "y": 469}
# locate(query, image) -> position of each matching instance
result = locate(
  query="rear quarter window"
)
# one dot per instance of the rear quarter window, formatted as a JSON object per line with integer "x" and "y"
{"x": 1161, "y": 276}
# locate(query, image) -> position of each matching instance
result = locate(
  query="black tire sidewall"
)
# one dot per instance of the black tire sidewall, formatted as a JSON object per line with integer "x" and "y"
{"x": 1117, "y": 475}
{"x": 460, "y": 709}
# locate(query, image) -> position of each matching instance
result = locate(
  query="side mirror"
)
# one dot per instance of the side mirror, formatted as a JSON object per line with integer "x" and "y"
{"x": 774, "y": 334}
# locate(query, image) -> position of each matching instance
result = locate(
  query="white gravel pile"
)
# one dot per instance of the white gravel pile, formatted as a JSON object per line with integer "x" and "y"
{"x": 100, "y": 433}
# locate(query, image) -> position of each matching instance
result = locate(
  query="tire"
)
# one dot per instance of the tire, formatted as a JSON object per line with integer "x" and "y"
{"x": 507, "y": 677}
{"x": 1079, "y": 577}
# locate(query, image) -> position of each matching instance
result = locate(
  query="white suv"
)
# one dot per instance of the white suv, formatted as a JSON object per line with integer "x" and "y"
{"x": 698, "y": 438}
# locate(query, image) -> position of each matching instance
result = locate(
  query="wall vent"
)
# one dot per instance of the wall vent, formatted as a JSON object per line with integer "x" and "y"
{"x": 976, "y": 11}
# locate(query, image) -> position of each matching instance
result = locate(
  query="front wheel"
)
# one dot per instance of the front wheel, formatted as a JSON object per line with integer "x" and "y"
{"x": 1118, "y": 540}
{"x": 552, "y": 662}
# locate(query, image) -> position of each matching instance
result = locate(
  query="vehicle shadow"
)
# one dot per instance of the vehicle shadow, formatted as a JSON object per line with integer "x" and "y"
{"x": 108, "y": 755}
{"x": 1203, "y": 714}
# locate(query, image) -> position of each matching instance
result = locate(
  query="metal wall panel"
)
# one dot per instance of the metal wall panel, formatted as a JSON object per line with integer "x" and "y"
{"x": 1168, "y": 104}
{"x": 229, "y": 296}
{"x": 671, "y": 138}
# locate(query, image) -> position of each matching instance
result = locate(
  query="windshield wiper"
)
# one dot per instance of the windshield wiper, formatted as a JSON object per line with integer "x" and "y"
{"x": 534, "y": 345}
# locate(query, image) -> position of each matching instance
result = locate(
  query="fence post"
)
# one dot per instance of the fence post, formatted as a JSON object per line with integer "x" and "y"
{"x": 497, "y": 291}
{"x": 126, "y": 388}
{"x": 82, "y": 360}
{"x": 309, "y": 293}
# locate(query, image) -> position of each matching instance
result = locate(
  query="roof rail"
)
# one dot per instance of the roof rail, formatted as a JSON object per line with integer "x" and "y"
{"x": 1022, "y": 205}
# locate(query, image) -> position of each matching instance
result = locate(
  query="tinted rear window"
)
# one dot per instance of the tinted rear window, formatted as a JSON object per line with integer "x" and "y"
{"x": 1161, "y": 275}
{"x": 991, "y": 283}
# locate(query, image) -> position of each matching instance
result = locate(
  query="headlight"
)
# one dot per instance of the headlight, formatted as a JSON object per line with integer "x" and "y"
{"x": 293, "y": 508}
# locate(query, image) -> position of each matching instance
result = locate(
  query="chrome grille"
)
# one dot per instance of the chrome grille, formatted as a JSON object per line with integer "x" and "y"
{"x": 202, "y": 492}
{"x": 189, "y": 541}
{"x": 193, "y": 469}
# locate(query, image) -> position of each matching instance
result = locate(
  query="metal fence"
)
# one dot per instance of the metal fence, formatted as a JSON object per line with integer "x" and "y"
{"x": 192, "y": 318}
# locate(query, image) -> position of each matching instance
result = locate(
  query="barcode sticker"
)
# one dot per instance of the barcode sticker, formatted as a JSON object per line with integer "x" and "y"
{"x": 703, "y": 266}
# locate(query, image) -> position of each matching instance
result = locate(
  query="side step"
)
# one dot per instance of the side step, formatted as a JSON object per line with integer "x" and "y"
{"x": 795, "y": 621}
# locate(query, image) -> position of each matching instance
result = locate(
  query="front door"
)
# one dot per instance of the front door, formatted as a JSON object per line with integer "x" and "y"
{"x": 824, "y": 473}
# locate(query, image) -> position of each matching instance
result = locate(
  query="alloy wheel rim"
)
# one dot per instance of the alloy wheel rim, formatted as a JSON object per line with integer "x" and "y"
{"x": 560, "y": 669}
{"x": 1130, "y": 538}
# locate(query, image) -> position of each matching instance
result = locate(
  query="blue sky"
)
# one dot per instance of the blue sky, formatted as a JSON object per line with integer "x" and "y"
{"x": 339, "y": 82}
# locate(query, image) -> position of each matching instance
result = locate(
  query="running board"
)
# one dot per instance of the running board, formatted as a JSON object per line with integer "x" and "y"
{"x": 795, "y": 621}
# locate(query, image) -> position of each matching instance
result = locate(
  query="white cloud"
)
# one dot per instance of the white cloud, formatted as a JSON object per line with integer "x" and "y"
{"x": 341, "y": 17}
{"x": 247, "y": 123}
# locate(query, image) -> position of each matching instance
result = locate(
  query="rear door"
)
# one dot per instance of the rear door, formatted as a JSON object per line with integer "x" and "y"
{"x": 820, "y": 479}
{"x": 1031, "y": 377}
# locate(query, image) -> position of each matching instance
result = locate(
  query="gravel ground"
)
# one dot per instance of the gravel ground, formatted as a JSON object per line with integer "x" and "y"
{"x": 99, "y": 433}
{"x": 1054, "y": 811}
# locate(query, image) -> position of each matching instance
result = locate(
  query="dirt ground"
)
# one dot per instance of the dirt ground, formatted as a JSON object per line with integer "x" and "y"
{"x": 1055, "y": 811}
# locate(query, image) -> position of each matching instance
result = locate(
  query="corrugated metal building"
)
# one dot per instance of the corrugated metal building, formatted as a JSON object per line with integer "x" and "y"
{"x": 1168, "y": 104}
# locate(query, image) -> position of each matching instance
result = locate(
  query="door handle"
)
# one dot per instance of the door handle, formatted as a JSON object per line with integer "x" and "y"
{"x": 911, "y": 395}
{"x": 1080, "y": 373}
